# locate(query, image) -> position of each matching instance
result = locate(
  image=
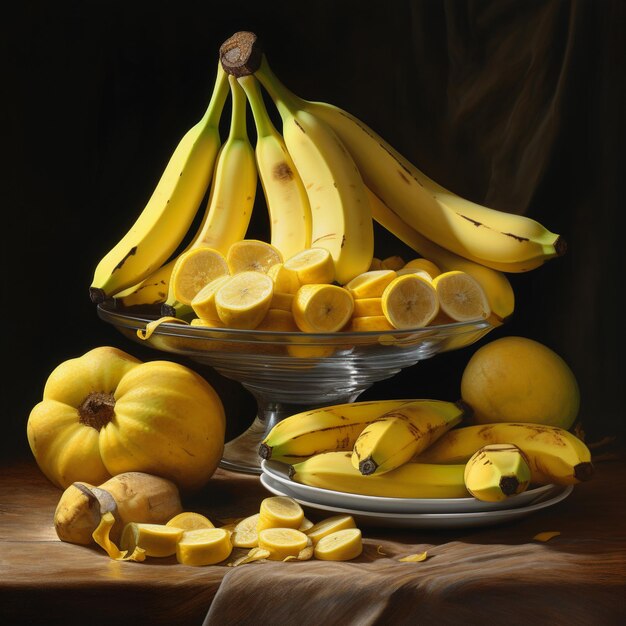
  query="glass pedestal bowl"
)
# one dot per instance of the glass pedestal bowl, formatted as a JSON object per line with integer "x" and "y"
{"x": 290, "y": 372}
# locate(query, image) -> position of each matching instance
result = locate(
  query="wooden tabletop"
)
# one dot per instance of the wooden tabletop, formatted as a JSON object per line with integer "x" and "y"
{"x": 496, "y": 574}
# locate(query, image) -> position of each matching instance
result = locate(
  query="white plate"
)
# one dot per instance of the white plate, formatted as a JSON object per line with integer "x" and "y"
{"x": 399, "y": 505}
{"x": 424, "y": 520}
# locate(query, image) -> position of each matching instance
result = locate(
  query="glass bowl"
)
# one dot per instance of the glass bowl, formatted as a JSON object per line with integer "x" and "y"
{"x": 290, "y": 372}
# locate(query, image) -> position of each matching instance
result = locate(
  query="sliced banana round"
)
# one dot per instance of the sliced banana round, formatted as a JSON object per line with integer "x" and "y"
{"x": 156, "y": 540}
{"x": 189, "y": 520}
{"x": 370, "y": 284}
{"x": 252, "y": 255}
{"x": 279, "y": 512}
{"x": 282, "y": 542}
{"x": 203, "y": 302}
{"x": 204, "y": 546}
{"x": 312, "y": 266}
{"x": 424, "y": 265}
{"x": 245, "y": 534}
{"x": 410, "y": 301}
{"x": 461, "y": 297}
{"x": 244, "y": 300}
{"x": 370, "y": 323}
{"x": 194, "y": 269}
{"x": 341, "y": 545}
{"x": 328, "y": 526}
{"x": 364, "y": 307}
{"x": 322, "y": 308}
{"x": 285, "y": 279}
{"x": 279, "y": 321}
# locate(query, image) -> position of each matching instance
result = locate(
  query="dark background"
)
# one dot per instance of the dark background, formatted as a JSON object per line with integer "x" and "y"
{"x": 516, "y": 104}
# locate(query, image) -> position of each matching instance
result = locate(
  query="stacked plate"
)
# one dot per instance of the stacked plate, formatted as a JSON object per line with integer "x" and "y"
{"x": 409, "y": 512}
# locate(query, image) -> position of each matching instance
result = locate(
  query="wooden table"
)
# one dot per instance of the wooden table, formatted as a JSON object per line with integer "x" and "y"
{"x": 496, "y": 575}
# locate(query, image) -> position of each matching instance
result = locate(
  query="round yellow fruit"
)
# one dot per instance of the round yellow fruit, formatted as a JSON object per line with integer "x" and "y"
{"x": 105, "y": 413}
{"x": 515, "y": 379}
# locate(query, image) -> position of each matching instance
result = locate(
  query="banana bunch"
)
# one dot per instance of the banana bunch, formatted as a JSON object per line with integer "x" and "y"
{"x": 326, "y": 178}
{"x": 419, "y": 448}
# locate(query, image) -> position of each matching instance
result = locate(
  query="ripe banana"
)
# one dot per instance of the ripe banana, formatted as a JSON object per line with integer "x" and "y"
{"x": 164, "y": 221}
{"x": 325, "y": 429}
{"x": 395, "y": 437}
{"x": 475, "y": 232}
{"x": 233, "y": 190}
{"x": 554, "y": 455}
{"x": 495, "y": 284}
{"x": 340, "y": 212}
{"x": 286, "y": 197}
{"x": 334, "y": 470}
{"x": 151, "y": 290}
{"x": 496, "y": 472}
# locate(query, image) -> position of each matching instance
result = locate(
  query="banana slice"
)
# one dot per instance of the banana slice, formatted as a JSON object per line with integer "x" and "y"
{"x": 204, "y": 546}
{"x": 279, "y": 512}
{"x": 306, "y": 524}
{"x": 461, "y": 297}
{"x": 244, "y": 300}
{"x": 252, "y": 255}
{"x": 188, "y": 520}
{"x": 369, "y": 323}
{"x": 364, "y": 307}
{"x": 193, "y": 270}
{"x": 342, "y": 545}
{"x": 282, "y": 542}
{"x": 156, "y": 540}
{"x": 410, "y": 301}
{"x": 312, "y": 266}
{"x": 245, "y": 534}
{"x": 203, "y": 302}
{"x": 328, "y": 526}
{"x": 278, "y": 320}
{"x": 370, "y": 284}
{"x": 281, "y": 300}
{"x": 322, "y": 308}
{"x": 424, "y": 265}
{"x": 394, "y": 262}
{"x": 285, "y": 279}
{"x": 213, "y": 323}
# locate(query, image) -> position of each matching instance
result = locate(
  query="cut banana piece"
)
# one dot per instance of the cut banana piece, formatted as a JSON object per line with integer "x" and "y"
{"x": 245, "y": 534}
{"x": 342, "y": 545}
{"x": 282, "y": 542}
{"x": 156, "y": 540}
{"x": 200, "y": 321}
{"x": 328, "y": 526}
{"x": 285, "y": 279}
{"x": 424, "y": 265}
{"x": 370, "y": 284}
{"x": 282, "y": 300}
{"x": 279, "y": 512}
{"x": 461, "y": 297}
{"x": 203, "y": 302}
{"x": 369, "y": 323}
{"x": 312, "y": 266}
{"x": 322, "y": 308}
{"x": 364, "y": 307}
{"x": 394, "y": 262}
{"x": 193, "y": 270}
{"x": 306, "y": 524}
{"x": 410, "y": 301}
{"x": 252, "y": 255}
{"x": 244, "y": 300}
{"x": 278, "y": 320}
{"x": 188, "y": 520}
{"x": 204, "y": 546}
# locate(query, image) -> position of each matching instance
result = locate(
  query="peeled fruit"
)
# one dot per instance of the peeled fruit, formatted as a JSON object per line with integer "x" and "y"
{"x": 156, "y": 540}
{"x": 203, "y": 546}
{"x": 279, "y": 512}
{"x": 515, "y": 379}
{"x": 328, "y": 526}
{"x": 342, "y": 545}
{"x": 188, "y": 520}
{"x": 282, "y": 542}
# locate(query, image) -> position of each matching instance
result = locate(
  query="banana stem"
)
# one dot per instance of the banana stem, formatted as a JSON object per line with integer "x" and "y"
{"x": 212, "y": 115}
{"x": 238, "y": 129}
{"x": 286, "y": 101}
{"x": 264, "y": 126}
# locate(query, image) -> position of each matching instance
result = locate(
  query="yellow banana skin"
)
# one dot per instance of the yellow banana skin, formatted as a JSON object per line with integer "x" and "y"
{"x": 476, "y": 232}
{"x": 286, "y": 197}
{"x": 165, "y": 219}
{"x": 394, "y": 438}
{"x": 495, "y": 284}
{"x": 330, "y": 428}
{"x": 341, "y": 218}
{"x": 334, "y": 470}
{"x": 151, "y": 290}
{"x": 496, "y": 472}
{"x": 555, "y": 456}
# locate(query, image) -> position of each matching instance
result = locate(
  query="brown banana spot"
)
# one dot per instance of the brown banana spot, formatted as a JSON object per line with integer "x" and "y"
{"x": 282, "y": 172}
{"x": 130, "y": 253}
